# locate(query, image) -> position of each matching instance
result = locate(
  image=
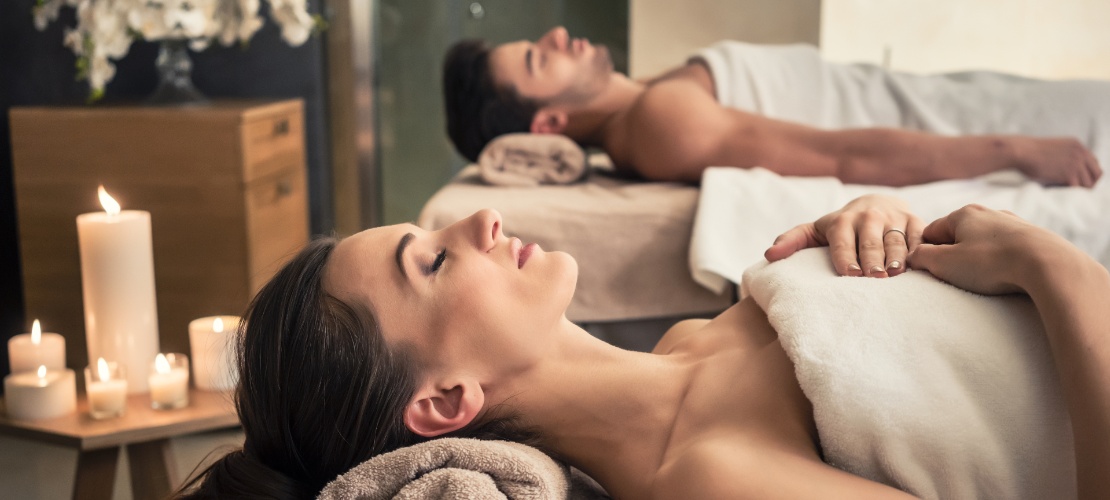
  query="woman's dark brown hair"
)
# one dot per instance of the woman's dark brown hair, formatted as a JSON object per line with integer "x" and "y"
{"x": 319, "y": 391}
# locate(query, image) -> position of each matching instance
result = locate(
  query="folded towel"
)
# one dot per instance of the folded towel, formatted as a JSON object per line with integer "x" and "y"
{"x": 741, "y": 211}
{"x": 456, "y": 468}
{"x": 920, "y": 385}
{"x": 532, "y": 159}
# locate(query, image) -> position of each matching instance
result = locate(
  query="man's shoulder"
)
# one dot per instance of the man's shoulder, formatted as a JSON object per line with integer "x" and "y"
{"x": 670, "y": 100}
{"x": 694, "y": 71}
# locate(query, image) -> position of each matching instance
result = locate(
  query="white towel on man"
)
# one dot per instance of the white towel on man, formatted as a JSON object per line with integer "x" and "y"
{"x": 920, "y": 385}
{"x": 793, "y": 83}
{"x": 741, "y": 211}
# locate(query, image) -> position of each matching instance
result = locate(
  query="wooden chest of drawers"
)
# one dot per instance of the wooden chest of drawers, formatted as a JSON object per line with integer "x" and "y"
{"x": 224, "y": 184}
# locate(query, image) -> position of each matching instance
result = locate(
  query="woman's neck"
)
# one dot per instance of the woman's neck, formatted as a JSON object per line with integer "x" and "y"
{"x": 605, "y": 410}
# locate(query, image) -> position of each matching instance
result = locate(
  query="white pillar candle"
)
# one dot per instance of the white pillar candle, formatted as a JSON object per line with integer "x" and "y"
{"x": 28, "y": 351}
{"x": 169, "y": 381}
{"x": 117, "y": 278}
{"x": 40, "y": 394}
{"x": 211, "y": 341}
{"x": 106, "y": 386}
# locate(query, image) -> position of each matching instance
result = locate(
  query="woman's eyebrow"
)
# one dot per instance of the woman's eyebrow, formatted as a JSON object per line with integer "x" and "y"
{"x": 405, "y": 240}
{"x": 528, "y": 60}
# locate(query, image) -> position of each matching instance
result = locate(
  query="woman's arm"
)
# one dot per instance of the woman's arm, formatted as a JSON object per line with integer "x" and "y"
{"x": 992, "y": 252}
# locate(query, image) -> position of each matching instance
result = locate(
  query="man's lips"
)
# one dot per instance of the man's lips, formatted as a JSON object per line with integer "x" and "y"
{"x": 579, "y": 44}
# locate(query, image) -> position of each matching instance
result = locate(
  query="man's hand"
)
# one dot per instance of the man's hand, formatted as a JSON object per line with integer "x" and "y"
{"x": 1057, "y": 161}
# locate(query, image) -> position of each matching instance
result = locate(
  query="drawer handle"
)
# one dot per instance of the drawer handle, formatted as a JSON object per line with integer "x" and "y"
{"x": 281, "y": 127}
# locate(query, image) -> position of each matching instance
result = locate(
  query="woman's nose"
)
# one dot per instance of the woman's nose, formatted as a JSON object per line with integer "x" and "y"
{"x": 486, "y": 228}
{"x": 556, "y": 38}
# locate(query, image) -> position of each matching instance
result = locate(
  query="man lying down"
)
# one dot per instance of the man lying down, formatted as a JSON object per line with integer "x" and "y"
{"x": 385, "y": 341}
{"x": 781, "y": 108}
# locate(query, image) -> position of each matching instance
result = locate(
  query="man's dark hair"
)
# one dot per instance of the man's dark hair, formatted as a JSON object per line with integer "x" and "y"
{"x": 477, "y": 109}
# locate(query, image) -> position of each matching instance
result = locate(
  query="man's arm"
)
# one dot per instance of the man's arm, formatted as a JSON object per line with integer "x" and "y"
{"x": 682, "y": 130}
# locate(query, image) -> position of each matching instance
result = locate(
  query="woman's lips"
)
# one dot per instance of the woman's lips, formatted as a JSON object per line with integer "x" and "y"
{"x": 525, "y": 253}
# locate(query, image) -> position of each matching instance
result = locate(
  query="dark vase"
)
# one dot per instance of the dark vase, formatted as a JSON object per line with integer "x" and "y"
{"x": 175, "y": 76}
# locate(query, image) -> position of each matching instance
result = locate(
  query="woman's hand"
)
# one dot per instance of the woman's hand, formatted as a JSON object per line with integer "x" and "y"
{"x": 988, "y": 251}
{"x": 870, "y": 236}
{"x": 991, "y": 252}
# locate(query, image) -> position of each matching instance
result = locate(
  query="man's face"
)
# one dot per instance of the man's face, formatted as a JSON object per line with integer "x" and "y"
{"x": 555, "y": 70}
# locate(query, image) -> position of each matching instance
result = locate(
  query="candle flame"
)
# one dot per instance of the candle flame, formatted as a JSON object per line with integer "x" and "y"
{"x": 102, "y": 368}
{"x": 218, "y": 325}
{"x": 161, "y": 364}
{"x": 36, "y": 333}
{"x": 110, "y": 204}
{"x": 42, "y": 371}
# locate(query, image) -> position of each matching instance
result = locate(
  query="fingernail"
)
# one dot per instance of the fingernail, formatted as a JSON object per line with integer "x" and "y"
{"x": 894, "y": 265}
{"x": 854, "y": 267}
{"x": 876, "y": 269}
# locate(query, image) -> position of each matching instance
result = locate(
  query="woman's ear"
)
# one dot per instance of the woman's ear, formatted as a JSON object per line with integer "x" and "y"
{"x": 440, "y": 409}
{"x": 549, "y": 121}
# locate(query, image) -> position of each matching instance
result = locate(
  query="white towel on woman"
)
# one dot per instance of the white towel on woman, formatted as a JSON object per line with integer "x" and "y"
{"x": 920, "y": 385}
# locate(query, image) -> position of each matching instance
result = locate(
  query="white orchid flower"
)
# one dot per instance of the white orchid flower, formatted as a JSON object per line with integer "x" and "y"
{"x": 293, "y": 17}
{"x": 105, "y": 28}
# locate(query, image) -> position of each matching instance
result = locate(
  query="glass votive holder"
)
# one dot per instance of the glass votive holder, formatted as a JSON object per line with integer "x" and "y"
{"x": 169, "y": 381}
{"x": 106, "y": 387}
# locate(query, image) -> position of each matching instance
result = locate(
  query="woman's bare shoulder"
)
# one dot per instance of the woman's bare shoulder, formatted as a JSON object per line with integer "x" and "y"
{"x": 677, "y": 334}
{"x": 743, "y": 324}
{"x": 739, "y": 467}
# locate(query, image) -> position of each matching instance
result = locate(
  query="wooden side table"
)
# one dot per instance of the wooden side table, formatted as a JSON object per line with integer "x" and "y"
{"x": 145, "y": 433}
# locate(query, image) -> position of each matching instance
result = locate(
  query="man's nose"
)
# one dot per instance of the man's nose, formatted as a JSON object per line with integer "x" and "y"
{"x": 556, "y": 38}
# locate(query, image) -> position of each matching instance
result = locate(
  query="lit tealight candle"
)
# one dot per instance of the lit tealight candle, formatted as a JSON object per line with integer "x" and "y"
{"x": 28, "y": 351}
{"x": 106, "y": 388}
{"x": 213, "y": 355}
{"x": 169, "y": 381}
{"x": 40, "y": 394}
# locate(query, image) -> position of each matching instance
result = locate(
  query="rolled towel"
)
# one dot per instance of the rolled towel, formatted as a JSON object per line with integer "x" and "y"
{"x": 458, "y": 468}
{"x": 532, "y": 159}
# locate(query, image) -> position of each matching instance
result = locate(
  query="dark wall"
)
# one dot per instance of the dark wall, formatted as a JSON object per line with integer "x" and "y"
{"x": 36, "y": 69}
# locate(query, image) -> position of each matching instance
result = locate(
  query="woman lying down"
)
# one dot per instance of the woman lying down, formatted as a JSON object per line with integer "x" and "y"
{"x": 398, "y": 335}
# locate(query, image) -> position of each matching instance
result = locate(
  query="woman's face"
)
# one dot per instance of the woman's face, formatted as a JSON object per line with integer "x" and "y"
{"x": 464, "y": 297}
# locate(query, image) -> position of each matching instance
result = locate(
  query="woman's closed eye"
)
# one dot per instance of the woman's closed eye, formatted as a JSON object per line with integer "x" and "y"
{"x": 438, "y": 263}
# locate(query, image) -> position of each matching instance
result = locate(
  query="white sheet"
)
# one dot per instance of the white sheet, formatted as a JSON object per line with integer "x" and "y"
{"x": 792, "y": 82}
{"x": 741, "y": 211}
{"x": 919, "y": 385}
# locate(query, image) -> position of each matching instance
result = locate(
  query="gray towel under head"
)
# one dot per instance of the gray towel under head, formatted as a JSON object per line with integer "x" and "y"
{"x": 532, "y": 159}
{"x": 458, "y": 468}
